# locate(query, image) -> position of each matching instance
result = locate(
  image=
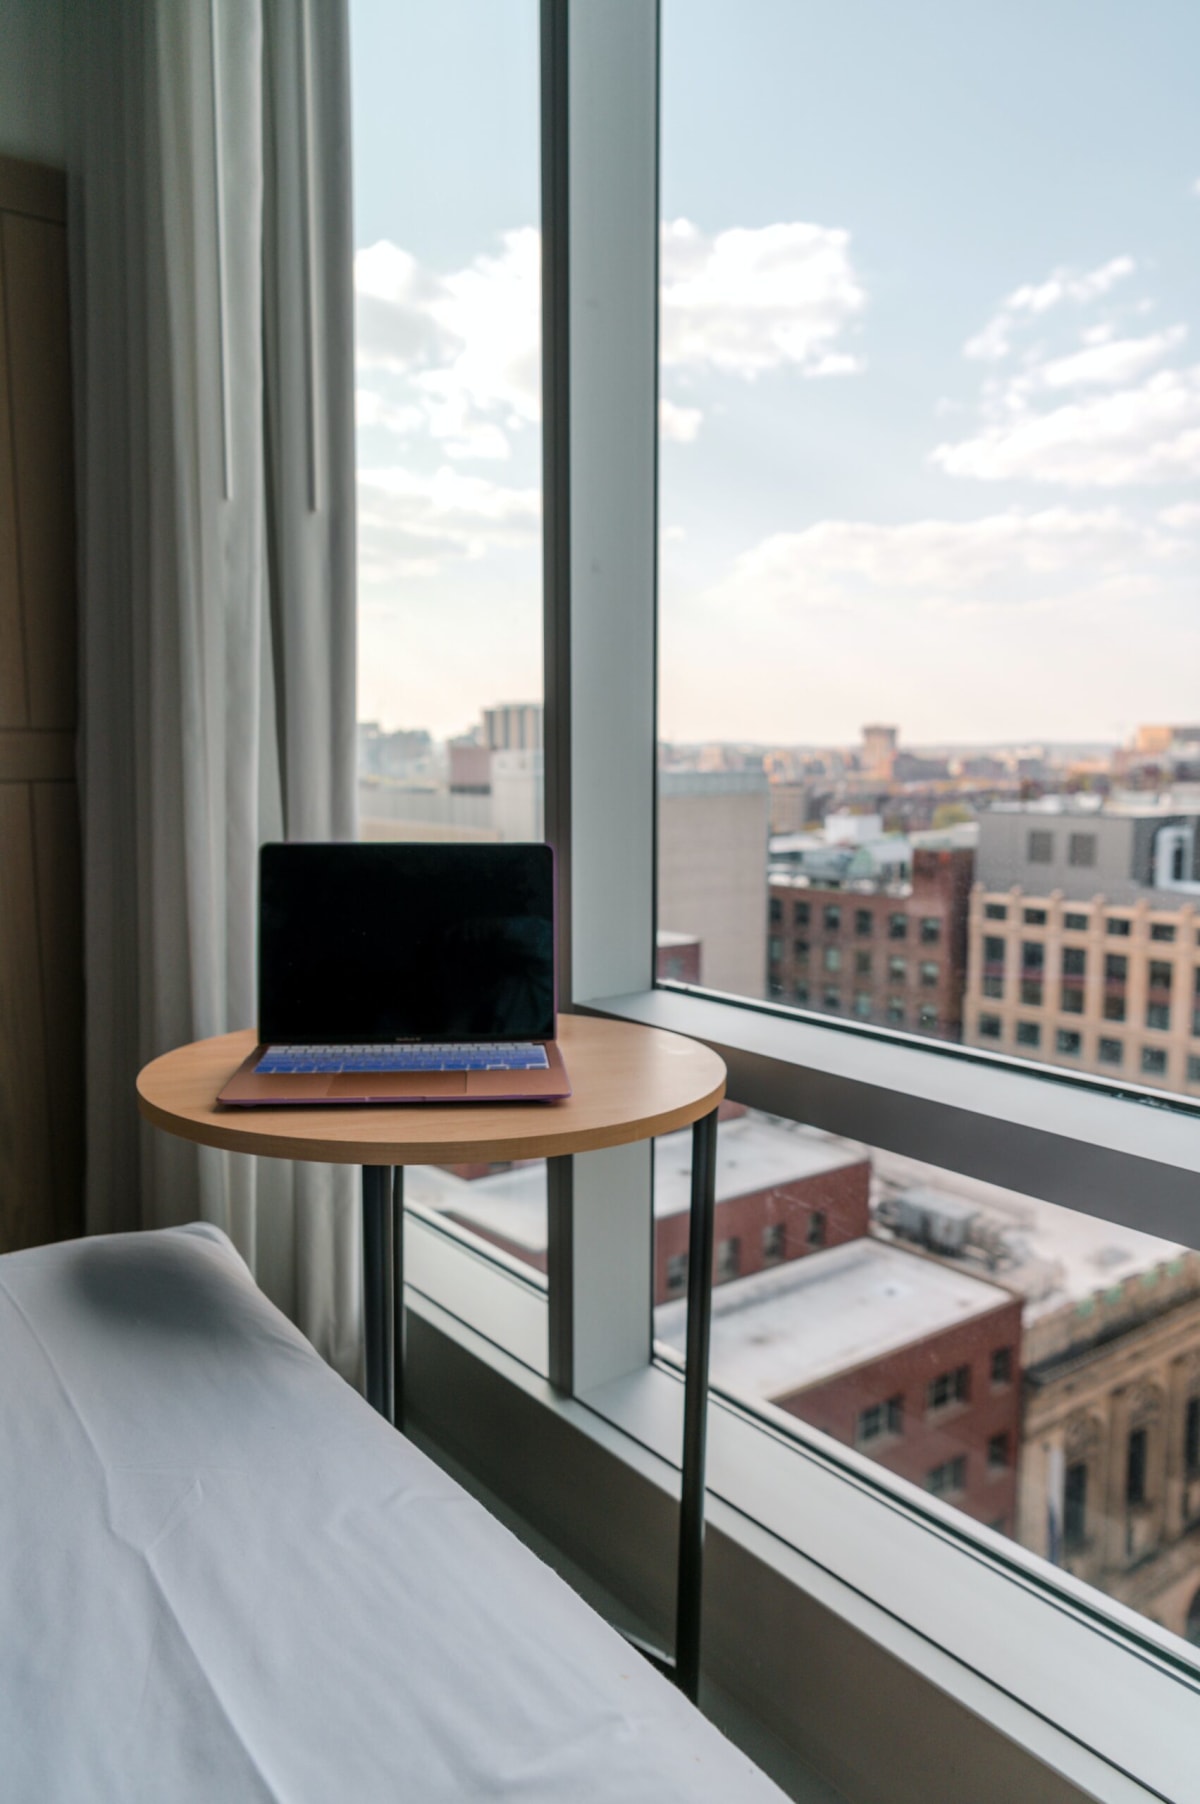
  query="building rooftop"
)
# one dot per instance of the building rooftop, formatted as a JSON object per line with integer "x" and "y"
{"x": 802, "y": 1323}
{"x": 754, "y": 1152}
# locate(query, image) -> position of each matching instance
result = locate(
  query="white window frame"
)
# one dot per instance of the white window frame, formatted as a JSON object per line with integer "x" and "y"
{"x": 1086, "y": 1688}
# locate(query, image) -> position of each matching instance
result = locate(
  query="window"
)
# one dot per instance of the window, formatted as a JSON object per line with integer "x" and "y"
{"x": 1154, "y": 1062}
{"x": 995, "y": 911}
{"x": 1110, "y": 1052}
{"x": 931, "y": 930}
{"x": 774, "y": 1242}
{"x": 864, "y": 922}
{"x": 1074, "y": 961}
{"x": 949, "y": 1479}
{"x": 832, "y": 918}
{"x": 1034, "y": 917}
{"x": 1075, "y": 1507}
{"x": 776, "y": 911}
{"x": 1068, "y": 1043}
{"x": 895, "y": 1011}
{"x": 993, "y": 987}
{"x": 862, "y": 964}
{"x": 880, "y": 1419}
{"x": 993, "y": 951}
{"x": 1075, "y": 923}
{"x": 998, "y": 1453}
{"x": 1029, "y": 1033}
{"x": 1191, "y": 1437}
{"x": 1135, "y": 1467}
{"x": 1033, "y": 966}
{"x": 1070, "y": 999}
{"x": 729, "y": 1259}
{"x": 1196, "y": 1007}
{"x": 832, "y": 999}
{"x": 1116, "y": 967}
{"x": 1119, "y": 925}
{"x": 862, "y": 1004}
{"x": 897, "y": 927}
{"x": 1040, "y": 847}
{"x": 815, "y": 1231}
{"x": 1158, "y": 1014}
{"x": 1160, "y": 974}
{"x": 929, "y": 975}
{"x": 774, "y": 949}
{"x": 677, "y": 1268}
{"x": 800, "y": 994}
{"x": 800, "y": 913}
{"x": 833, "y": 958}
{"x": 1002, "y": 1367}
{"x": 948, "y": 1387}
{"x": 927, "y": 1018}
{"x": 897, "y": 969}
{"x": 1193, "y": 1069}
{"x": 1081, "y": 849}
{"x": 990, "y": 1027}
{"x": 800, "y": 952}
{"x": 1162, "y": 930}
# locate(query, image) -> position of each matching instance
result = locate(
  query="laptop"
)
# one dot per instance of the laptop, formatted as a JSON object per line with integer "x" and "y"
{"x": 392, "y": 973}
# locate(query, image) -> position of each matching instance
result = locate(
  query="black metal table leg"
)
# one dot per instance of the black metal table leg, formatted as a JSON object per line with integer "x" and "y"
{"x": 378, "y": 1288}
{"x": 695, "y": 1407}
{"x": 397, "y": 1361}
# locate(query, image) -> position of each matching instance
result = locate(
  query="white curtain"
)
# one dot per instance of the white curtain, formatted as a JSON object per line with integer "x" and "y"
{"x": 212, "y": 320}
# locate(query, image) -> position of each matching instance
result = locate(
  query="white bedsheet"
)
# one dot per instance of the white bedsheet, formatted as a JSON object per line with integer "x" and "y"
{"x": 224, "y": 1577}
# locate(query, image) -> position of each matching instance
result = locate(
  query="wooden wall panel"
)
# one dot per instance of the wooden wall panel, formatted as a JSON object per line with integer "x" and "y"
{"x": 41, "y": 904}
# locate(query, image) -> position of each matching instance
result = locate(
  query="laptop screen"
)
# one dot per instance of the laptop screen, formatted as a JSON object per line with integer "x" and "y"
{"x": 380, "y": 942}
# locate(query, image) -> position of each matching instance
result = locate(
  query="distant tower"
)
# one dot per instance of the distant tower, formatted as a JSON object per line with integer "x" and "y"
{"x": 879, "y": 750}
{"x": 513, "y": 727}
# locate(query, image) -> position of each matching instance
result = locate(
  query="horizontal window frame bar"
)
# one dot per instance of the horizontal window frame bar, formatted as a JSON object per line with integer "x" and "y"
{"x": 1126, "y": 1156}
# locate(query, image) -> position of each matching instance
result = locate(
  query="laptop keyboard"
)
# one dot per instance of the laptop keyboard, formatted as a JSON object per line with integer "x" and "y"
{"x": 448, "y": 1056}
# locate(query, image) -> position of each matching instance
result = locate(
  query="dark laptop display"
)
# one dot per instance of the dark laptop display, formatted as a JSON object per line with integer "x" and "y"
{"x": 386, "y": 942}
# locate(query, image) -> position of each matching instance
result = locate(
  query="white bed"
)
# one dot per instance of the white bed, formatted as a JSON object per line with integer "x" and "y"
{"x": 224, "y": 1577}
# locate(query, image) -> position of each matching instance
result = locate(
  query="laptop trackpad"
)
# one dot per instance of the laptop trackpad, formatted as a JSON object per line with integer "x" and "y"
{"x": 383, "y": 1086}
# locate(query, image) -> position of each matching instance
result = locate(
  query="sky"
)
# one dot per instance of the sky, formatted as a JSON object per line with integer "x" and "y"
{"x": 930, "y": 376}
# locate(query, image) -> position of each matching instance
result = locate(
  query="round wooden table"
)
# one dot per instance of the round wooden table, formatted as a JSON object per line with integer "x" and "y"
{"x": 629, "y": 1083}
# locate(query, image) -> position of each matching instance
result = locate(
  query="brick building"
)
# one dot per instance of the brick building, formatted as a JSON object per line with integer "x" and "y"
{"x": 894, "y": 953}
{"x": 915, "y": 1364}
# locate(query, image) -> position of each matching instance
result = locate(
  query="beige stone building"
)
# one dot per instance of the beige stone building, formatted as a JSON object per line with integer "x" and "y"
{"x": 712, "y": 872}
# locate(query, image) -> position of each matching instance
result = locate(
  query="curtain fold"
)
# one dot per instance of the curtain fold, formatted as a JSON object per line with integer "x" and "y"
{"x": 211, "y": 270}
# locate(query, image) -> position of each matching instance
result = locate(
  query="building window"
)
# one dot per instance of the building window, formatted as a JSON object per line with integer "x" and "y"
{"x": 800, "y": 951}
{"x": 774, "y": 1242}
{"x": 1075, "y": 1507}
{"x": 1135, "y": 1466}
{"x": 1110, "y": 1052}
{"x": 897, "y": 927}
{"x": 800, "y": 913}
{"x": 729, "y": 1259}
{"x": 1162, "y": 930}
{"x": 1071, "y": 999}
{"x": 862, "y": 964}
{"x": 1114, "y": 1008}
{"x": 1074, "y": 961}
{"x": 1029, "y": 1033}
{"x": 1002, "y": 1367}
{"x": 1075, "y": 923}
{"x": 1160, "y": 974}
{"x": 1119, "y": 926}
{"x": 989, "y": 1027}
{"x": 814, "y": 1233}
{"x": 864, "y": 922}
{"x": 1040, "y": 847}
{"x": 1193, "y": 1069}
{"x": 927, "y": 1018}
{"x": 1191, "y": 1437}
{"x": 993, "y": 987}
{"x": 800, "y": 994}
{"x": 1154, "y": 1061}
{"x": 993, "y": 950}
{"x": 895, "y": 1011}
{"x": 776, "y": 911}
{"x": 1116, "y": 967}
{"x": 880, "y": 1419}
{"x": 1068, "y": 1042}
{"x": 995, "y": 911}
{"x": 833, "y": 958}
{"x": 1034, "y": 917}
{"x": 897, "y": 968}
{"x": 833, "y": 999}
{"x": 997, "y": 1453}
{"x": 833, "y": 918}
{"x": 1081, "y": 849}
{"x": 931, "y": 930}
{"x": 677, "y": 1274}
{"x": 929, "y": 975}
{"x": 862, "y": 1005}
{"x": 949, "y": 1478}
{"x": 1158, "y": 1014}
{"x": 775, "y": 949}
{"x": 1033, "y": 968}
{"x": 948, "y": 1387}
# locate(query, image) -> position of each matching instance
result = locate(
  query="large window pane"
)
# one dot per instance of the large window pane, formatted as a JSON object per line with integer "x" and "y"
{"x": 930, "y": 434}
{"x": 1035, "y": 1368}
{"x": 447, "y": 275}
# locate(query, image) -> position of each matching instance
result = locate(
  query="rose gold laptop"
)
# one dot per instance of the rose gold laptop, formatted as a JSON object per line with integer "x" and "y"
{"x": 397, "y": 972}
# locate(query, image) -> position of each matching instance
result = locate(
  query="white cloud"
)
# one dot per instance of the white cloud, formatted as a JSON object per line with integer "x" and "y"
{"x": 1148, "y": 433}
{"x": 749, "y": 300}
{"x": 680, "y": 424}
{"x": 1183, "y": 517}
{"x": 411, "y": 524}
{"x": 1108, "y": 362}
{"x": 1033, "y": 299}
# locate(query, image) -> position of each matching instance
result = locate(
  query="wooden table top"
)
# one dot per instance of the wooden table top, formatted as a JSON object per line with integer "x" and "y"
{"x": 630, "y": 1083}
